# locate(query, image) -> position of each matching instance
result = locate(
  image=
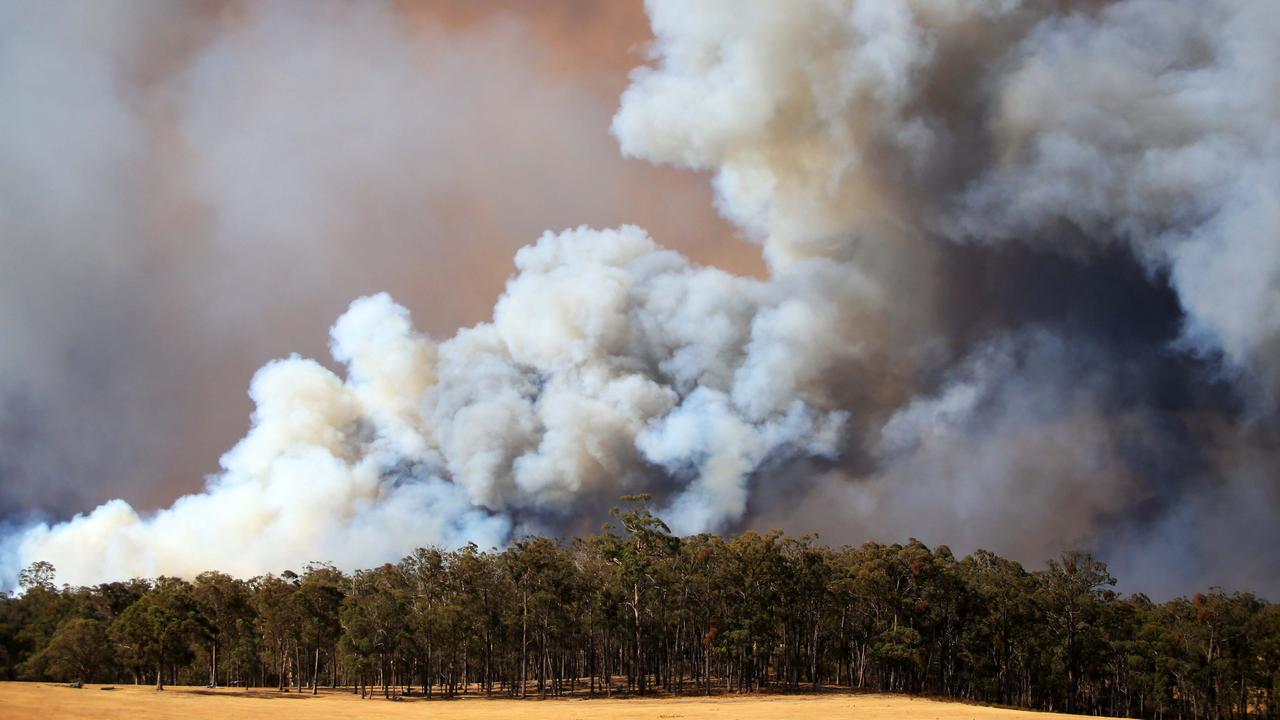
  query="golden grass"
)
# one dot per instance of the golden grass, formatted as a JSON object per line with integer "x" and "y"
{"x": 45, "y": 701}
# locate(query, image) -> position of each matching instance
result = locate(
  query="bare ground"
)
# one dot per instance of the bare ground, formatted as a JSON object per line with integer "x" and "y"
{"x": 23, "y": 701}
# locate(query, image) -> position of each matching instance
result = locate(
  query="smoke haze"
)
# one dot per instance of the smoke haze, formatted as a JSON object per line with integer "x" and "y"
{"x": 1020, "y": 285}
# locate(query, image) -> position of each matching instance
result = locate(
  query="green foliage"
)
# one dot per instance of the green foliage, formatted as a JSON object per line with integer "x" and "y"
{"x": 39, "y": 574}
{"x": 78, "y": 650}
{"x": 158, "y": 630}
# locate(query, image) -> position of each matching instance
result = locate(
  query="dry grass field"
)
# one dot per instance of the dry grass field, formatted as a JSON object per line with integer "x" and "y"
{"x": 23, "y": 701}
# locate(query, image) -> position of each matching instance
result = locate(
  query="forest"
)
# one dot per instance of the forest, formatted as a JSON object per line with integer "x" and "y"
{"x": 635, "y": 610}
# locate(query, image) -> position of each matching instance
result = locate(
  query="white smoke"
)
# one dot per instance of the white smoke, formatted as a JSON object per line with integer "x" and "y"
{"x": 609, "y": 360}
{"x": 331, "y": 469}
{"x": 859, "y": 142}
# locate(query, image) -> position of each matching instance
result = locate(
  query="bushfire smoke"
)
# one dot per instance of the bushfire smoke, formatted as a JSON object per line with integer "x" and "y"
{"x": 1023, "y": 292}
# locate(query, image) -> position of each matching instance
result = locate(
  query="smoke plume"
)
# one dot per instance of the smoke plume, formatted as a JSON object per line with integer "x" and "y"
{"x": 1023, "y": 292}
{"x": 191, "y": 189}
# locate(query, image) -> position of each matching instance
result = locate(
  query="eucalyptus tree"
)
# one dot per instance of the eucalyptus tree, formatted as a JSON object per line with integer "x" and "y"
{"x": 1072, "y": 591}
{"x": 373, "y": 624}
{"x": 640, "y": 556}
{"x": 77, "y": 651}
{"x": 157, "y": 631}
{"x": 318, "y": 600}
{"x": 225, "y": 603}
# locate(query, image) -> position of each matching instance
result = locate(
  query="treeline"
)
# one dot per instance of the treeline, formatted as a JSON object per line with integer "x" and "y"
{"x": 637, "y": 610}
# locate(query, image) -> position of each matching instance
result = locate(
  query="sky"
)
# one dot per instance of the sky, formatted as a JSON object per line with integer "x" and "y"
{"x": 286, "y": 281}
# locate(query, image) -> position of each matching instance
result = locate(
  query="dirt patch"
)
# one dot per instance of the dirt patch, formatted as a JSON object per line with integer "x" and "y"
{"x": 256, "y": 694}
{"x": 32, "y": 701}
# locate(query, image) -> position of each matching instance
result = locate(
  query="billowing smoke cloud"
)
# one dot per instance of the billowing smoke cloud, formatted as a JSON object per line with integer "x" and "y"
{"x": 1024, "y": 293}
{"x": 330, "y": 469}
{"x": 845, "y": 124}
{"x": 610, "y": 361}
{"x": 878, "y": 134}
{"x": 190, "y": 189}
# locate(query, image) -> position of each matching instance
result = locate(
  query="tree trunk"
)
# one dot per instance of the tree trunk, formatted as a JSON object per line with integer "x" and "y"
{"x": 707, "y": 655}
{"x": 814, "y": 669}
{"x": 639, "y": 661}
{"x": 524, "y": 644}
